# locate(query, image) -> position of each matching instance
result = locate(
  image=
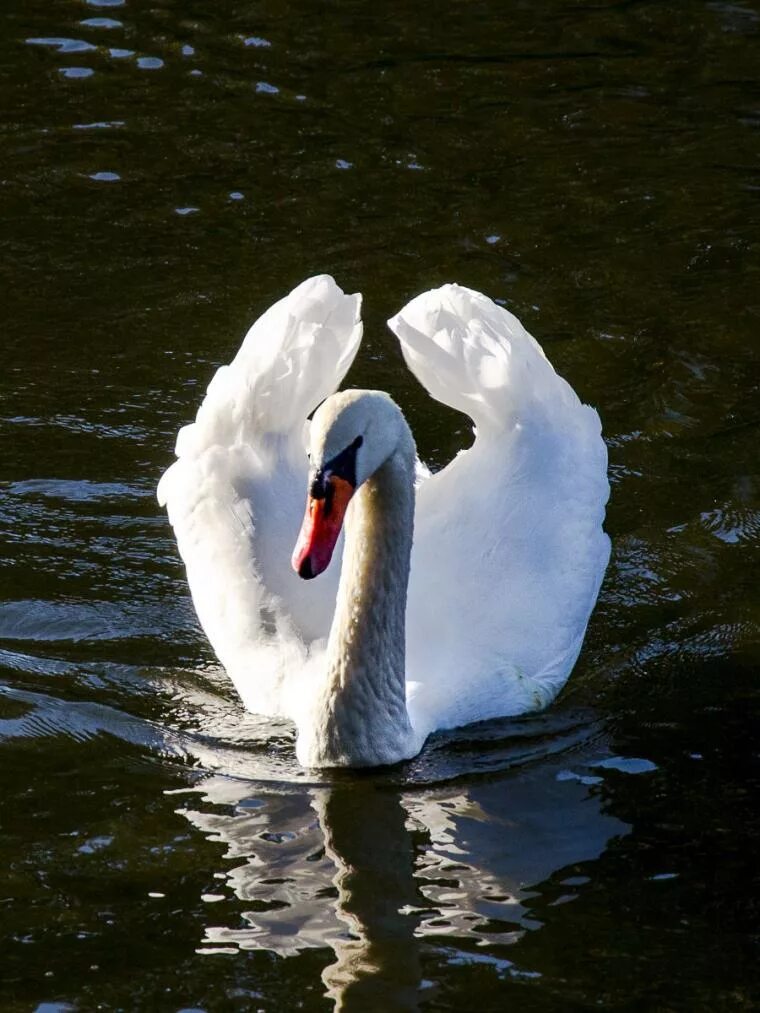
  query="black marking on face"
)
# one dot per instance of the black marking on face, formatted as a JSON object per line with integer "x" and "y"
{"x": 343, "y": 465}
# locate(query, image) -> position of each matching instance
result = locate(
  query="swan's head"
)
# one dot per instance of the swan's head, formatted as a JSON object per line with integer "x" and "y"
{"x": 351, "y": 435}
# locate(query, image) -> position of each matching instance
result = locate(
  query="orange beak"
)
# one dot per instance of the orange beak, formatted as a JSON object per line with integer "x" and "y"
{"x": 321, "y": 527}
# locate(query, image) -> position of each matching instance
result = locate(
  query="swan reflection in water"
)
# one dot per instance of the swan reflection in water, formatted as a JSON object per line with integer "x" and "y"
{"x": 452, "y": 858}
{"x": 381, "y": 873}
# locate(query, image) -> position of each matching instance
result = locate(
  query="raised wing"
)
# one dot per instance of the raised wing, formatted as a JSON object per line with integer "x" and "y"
{"x": 235, "y": 494}
{"x": 509, "y": 550}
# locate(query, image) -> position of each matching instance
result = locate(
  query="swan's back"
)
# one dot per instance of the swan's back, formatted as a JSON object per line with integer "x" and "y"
{"x": 509, "y": 550}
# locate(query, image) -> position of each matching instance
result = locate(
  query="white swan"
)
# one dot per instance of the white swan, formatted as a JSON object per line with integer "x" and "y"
{"x": 503, "y": 550}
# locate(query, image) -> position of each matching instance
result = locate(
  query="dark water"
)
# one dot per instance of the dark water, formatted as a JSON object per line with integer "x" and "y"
{"x": 169, "y": 169}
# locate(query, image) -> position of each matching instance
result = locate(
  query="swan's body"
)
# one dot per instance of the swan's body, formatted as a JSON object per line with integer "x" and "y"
{"x": 503, "y": 551}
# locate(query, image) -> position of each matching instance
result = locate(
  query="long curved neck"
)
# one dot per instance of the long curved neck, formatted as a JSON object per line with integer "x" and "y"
{"x": 360, "y": 717}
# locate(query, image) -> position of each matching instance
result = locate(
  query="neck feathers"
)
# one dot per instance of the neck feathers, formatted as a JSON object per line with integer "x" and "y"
{"x": 361, "y": 717}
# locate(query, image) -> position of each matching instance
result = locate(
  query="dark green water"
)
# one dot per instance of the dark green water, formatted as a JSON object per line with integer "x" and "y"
{"x": 169, "y": 169}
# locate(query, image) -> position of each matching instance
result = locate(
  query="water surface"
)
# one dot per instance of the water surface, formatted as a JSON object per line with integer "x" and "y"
{"x": 169, "y": 170}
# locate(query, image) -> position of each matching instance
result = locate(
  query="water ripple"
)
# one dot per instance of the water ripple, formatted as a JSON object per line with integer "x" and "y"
{"x": 76, "y": 622}
{"x": 76, "y": 72}
{"x": 101, "y": 23}
{"x": 78, "y": 490}
{"x": 64, "y": 45}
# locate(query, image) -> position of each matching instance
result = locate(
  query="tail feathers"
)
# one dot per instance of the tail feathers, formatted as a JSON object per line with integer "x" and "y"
{"x": 291, "y": 359}
{"x": 476, "y": 356}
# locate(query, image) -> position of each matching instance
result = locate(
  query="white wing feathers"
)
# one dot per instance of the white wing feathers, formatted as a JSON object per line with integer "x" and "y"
{"x": 235, "y": 495}
{"x": 295, "y": 354}
{"x": 508, "y": 551}
{"x": 476, "y": 356}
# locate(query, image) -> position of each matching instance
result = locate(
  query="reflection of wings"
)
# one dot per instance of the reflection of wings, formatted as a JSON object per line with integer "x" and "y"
{"x": 509, "y": 550}
{"x": 235, "y": 494}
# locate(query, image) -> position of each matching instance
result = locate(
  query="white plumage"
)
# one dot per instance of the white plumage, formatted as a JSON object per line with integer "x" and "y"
{"x": 508, "y": 550}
